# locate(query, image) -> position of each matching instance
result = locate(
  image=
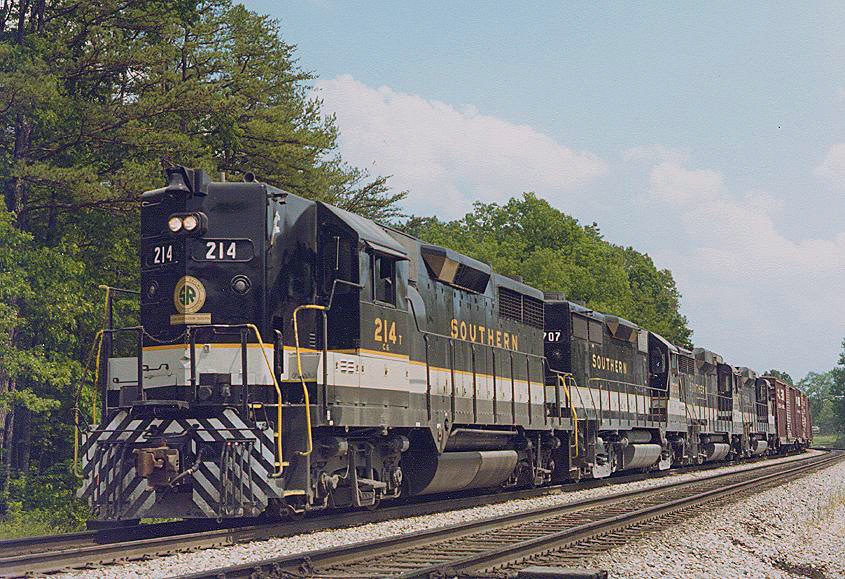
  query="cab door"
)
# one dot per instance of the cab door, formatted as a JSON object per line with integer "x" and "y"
{"x": 384, "y": 344}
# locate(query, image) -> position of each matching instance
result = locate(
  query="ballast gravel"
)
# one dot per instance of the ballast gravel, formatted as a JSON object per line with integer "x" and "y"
{"x": 643, "y": 558}
{"x": 793, "y": 530}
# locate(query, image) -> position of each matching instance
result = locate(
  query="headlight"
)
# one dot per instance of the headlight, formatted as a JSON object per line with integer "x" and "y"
{"x": 190, "y": 222}
{"x": 175, "y": 223}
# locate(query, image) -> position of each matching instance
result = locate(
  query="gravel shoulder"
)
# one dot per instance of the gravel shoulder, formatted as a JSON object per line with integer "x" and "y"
{"x": 795, "y": 530}
{"x": 180, "y": 564}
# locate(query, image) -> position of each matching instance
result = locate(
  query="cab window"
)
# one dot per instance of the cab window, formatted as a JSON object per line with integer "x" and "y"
{"x": 384, "y": 279}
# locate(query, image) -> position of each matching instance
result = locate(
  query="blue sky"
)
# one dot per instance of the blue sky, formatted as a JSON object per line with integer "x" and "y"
{"x": 710, "y": 135}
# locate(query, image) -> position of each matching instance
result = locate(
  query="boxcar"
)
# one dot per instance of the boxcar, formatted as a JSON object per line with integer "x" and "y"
{"x": 793, "y": 423}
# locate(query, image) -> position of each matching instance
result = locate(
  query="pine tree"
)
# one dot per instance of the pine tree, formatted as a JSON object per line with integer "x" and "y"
{"x": 96, "y": 98}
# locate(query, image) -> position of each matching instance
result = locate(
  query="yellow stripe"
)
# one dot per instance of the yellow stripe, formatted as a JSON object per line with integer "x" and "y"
{"x": 382, "y": 353}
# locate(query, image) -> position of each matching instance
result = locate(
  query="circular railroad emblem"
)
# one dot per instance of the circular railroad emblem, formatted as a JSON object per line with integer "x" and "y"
{"x": 189, "y": 295}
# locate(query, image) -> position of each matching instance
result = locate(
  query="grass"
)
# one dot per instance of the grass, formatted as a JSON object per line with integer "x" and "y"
{"x": 829, "y": 439}
{"x": 827, "y": 506}
{"x": 29, "y": 523}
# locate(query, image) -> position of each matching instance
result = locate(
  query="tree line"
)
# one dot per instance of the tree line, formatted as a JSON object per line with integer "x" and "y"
{"x": 826, "y": 391}
{"x": 97, "y": 97}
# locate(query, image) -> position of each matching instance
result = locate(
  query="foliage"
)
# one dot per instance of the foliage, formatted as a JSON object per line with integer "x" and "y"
{"x": 818, "y": 387}
{"x": 837, "y": 389}
{"x": 96, "y": 98}
{"x": 551, "y": 251}
{"x": 44, "y": 504}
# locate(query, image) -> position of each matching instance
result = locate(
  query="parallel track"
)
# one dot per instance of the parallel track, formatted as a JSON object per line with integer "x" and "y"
{"x": 96, "y": 548}
{"x": 87, "y": 549}
{"x": 505, "y": 543}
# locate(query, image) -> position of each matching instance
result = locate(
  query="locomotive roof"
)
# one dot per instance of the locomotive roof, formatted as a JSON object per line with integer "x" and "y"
{"x": 510, "y": 283}
{"x": 368, "y": 231}
{"x": 499, "y": 280}
{"x": 684, "y": 351}
{"x": 672, "y": 347}
{"x": 609, "y": 319}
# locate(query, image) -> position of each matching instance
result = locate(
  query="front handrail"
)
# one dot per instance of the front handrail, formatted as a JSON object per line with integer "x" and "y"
{"x": 280, "y": 464}
{"x": 98, "y": 344}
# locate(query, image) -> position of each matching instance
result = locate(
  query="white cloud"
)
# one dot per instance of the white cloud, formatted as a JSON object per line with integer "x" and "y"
{"x": 743, "y": 280}
{"x": 672, "y": 182}
{"x": 833, "y": 165}
{"x": 449, "y": 157}
{"x": 654, "y": 153}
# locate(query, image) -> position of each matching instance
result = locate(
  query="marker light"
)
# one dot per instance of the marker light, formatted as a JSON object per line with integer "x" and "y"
{"x": 190, "y": 222}
{"x": 175, "y": 224}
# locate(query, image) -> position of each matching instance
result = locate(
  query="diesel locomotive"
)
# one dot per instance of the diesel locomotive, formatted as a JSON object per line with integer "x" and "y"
{"x": 294, "y": 356}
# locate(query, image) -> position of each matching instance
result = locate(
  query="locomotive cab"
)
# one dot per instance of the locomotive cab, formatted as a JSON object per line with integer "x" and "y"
{"x": 202, "y": 270}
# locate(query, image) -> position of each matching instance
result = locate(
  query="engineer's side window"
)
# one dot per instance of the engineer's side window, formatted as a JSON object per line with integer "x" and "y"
{"x": 384, "y": 279}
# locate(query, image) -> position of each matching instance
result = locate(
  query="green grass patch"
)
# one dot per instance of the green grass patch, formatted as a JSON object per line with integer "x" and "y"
{"x": 829, "y": 439}
{"x": 29, "y": 523}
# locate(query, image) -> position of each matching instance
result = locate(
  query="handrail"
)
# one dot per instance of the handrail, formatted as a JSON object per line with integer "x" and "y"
{"x": 307, "y": 402}
{"x": 280, "y": 464}
{"x": 279, "y": 449}
{"x": 646, "y": 391}
{"x": 98, "y": 340}
{"x": 643, "y": 386}
{"x": 98, "y": 344}
{"x": 563, "y": 381}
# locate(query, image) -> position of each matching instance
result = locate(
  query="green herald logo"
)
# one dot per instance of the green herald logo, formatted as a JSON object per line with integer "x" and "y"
{"x": 189, "y": 295}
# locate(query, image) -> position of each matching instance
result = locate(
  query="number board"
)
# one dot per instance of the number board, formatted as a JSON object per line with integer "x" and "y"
{"x": 160, "y": 254}
{"x": 222, "y": 250}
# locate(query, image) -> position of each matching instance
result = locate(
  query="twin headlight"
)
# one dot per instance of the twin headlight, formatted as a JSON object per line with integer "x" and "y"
{"x": 190, "y": 223}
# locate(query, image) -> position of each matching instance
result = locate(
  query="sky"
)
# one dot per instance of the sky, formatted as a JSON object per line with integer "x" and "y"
{"x": 709, "y": 135}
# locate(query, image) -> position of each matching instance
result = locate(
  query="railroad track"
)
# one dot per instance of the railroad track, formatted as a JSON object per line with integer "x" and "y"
{"x": 89, "y": 549}
{"x": 501, "y": 545}
{"x": 66, "y": 541}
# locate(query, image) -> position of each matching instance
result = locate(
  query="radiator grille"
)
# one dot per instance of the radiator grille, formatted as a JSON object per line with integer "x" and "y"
{"x": 510, "y": 304}
{"x": 686, "y": 365}
{"x": 521, "y": 308}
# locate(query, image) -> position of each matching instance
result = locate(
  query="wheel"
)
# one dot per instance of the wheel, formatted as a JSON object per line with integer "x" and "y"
{"x": 375, "y": 504}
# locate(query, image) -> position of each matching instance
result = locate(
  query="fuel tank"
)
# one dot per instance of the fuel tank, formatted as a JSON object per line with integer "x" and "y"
{"x": 715, "y": 451}
{"x": 640, "y": 455}
{"x": 759, "y": 447}
{"x": 457, "y": 471}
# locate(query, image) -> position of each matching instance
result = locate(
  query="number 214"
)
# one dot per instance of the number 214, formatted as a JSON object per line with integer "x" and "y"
{"x": 385, "y": 331}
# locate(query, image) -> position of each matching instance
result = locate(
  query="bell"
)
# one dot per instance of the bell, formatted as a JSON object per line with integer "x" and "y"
{"x": 178, "y": 180}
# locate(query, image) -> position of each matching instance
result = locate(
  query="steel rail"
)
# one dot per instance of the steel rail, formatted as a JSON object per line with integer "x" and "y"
{"x": 47, "y": 553}
{"x": 50, "y": 552}
{"x": 61, "y": 541}
{"x": 523, "y": 550}
{"x": 347, "y": 560}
